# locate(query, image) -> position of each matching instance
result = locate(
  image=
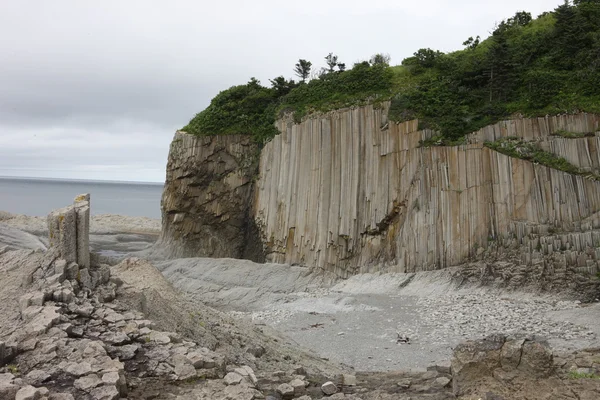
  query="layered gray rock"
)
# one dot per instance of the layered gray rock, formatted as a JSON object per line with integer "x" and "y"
{"x": 207, "y": 198}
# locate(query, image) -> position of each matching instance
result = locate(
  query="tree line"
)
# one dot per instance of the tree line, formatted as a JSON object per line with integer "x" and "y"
{"x": 546, "y": 65}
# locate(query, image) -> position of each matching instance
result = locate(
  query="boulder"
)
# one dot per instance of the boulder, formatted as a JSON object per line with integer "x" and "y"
{"x": 536, "y": 359}
{"x": 233, "y": 378}
{"x": 299, "y": 387}
{"x": 285, "y": 390}
{"x": 329, "y": 388}
{"x": 475, "y": 360}
{"x": 482, "y": 363}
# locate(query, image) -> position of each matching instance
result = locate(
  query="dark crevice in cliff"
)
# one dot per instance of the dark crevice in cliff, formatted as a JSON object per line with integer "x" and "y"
{"x": 383, "y": 225}
{"x": 253, "y": 248}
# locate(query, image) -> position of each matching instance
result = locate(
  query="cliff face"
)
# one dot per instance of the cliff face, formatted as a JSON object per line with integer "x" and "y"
{"x": 351, "y": 192}
{"x": 206, "y": 198}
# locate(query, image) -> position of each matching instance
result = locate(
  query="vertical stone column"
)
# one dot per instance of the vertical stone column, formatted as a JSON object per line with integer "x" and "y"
{"x": 62, "y": 228}
{"x": 69, "y": 230}
{"x": 82, "y": 209}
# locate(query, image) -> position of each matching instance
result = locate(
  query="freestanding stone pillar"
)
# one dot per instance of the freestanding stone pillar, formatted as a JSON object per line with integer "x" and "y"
{"x": 69, "y": 230}
{"x": 82, "y": 209}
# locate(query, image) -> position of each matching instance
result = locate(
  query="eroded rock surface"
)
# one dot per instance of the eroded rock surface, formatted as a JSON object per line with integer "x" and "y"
{"x": 207, "y": 197}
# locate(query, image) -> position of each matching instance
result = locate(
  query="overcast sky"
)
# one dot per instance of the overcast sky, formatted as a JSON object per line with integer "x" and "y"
{"x": 96, "y": 90}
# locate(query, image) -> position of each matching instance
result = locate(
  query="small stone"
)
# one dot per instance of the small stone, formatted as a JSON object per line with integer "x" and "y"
{"x": 94, "y": 349}
{"x": 8, "y": 390}
{"x": 110, "y": 378}
{"x": 84, "y": 310}
{"x": 63, "y": 296}
{"x": 28, "y": 345}
{"x": 77, "y": 369}
{"x": 256, "y": 351}
{"x": 61, "y": 396}
{"x": 250, "y": 375}
{"x": 75, "y": 331}
{"x": 127, "y": 352}
{"x": 60, "y": 266}
{"x": 37, "y": 377}
{"x": 329, "y": 388}
{"x": 6, "y": 377}
{"x": 87, "y": 383}
{"x": 299, "y": 370}
{"x": 442, "y": 381}
{"x": 159, "y": 337}
{"x": 299, "y": 387}
{"x": 233, "y": 378}
{"x": 116, "y": 379}
{"x": 31, "y": 312}
{"x": 348, "y": 380}
{"x": 55, "y": 279}
{"x": 43, "y": 321}
{"x": 285, "y": 390}
{"x": 113, "y": 317}
{"x": 185, "y": 371}
{"x": 72, "y": 271}
{"x": 105, "y": 393}
{"x": 144, "y": 323}
{"x": 107, "y": 364}
{"x": 197, "y": 359}
{"x": 116, "y": 338}
{"x": 31, "y": 393}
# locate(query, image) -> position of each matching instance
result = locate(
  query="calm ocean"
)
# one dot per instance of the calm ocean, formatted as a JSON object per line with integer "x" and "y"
{"x": 39, "y": 196}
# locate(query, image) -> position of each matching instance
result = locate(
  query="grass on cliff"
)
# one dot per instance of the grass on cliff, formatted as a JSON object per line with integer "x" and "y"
{"x": 516, "y": 147}
{"x": 582, "y": 375}
{"x": 528, "y": 67}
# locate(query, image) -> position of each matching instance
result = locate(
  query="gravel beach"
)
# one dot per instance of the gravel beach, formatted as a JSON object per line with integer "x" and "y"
{"x": 358, "y": 321}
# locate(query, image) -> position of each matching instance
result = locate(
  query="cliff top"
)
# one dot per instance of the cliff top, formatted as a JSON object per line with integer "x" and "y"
{"x": 532, "y": 67}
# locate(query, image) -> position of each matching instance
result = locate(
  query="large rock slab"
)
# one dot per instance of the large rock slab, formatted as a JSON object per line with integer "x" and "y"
{"x": 488, "y": 362}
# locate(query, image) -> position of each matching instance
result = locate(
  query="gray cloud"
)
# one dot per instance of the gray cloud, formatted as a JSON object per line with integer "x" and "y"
{"x": 96, "y": 90}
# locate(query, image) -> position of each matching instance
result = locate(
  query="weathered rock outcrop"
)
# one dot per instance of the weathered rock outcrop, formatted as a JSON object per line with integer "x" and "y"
{"x": 69, "y": 231}
{"x": 500, "y": 367}
{"x": 350, "y": 192}
{"x": 207, "y": 197}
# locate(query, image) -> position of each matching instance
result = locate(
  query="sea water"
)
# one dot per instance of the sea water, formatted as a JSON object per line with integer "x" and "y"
{"x": 39, "y": 196}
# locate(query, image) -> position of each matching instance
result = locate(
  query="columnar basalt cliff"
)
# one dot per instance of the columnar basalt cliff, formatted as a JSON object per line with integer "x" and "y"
{"x": 350, "y": 192}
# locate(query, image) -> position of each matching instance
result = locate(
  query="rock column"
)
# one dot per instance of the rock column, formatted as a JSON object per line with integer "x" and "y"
{"x": 69, "y": 230}
{"x": 82, "y": 209}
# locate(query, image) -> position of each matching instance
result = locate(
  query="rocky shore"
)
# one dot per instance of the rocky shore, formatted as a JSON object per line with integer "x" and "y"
{"x": 77, "y": 329}
{"x": 110, "y": 235}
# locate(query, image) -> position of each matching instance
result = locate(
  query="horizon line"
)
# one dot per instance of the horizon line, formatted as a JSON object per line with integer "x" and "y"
{"x": 39, "y": 178}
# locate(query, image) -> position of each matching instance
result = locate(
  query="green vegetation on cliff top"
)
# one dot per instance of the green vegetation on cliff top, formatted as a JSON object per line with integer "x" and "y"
{"x": 531, "y": 67}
